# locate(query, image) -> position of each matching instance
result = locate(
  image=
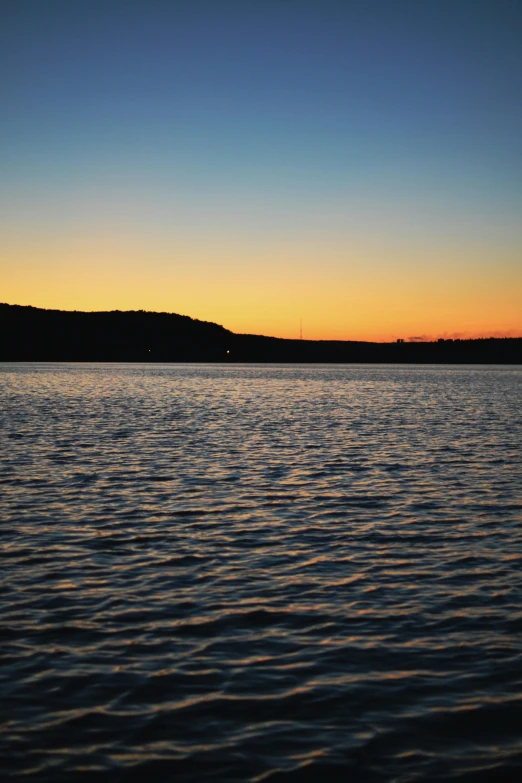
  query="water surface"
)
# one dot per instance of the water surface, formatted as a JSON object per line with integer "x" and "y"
{"x": 219, "y": 572}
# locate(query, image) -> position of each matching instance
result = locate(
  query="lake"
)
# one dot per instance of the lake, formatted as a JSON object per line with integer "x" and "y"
{"x": 261, "y": 573}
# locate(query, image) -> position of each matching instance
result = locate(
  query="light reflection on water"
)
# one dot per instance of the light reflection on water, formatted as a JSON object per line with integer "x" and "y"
{"x": 261, "y": 572}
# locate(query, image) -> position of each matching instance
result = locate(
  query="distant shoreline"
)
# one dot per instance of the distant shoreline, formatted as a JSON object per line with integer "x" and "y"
{"x": 35, "y": 334}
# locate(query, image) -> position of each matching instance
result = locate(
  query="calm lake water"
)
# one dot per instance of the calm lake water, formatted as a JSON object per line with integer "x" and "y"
{"x": 263, "y": 573}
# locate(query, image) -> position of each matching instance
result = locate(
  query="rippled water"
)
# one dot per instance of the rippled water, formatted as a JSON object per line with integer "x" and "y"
{"x": 261, "y": 573}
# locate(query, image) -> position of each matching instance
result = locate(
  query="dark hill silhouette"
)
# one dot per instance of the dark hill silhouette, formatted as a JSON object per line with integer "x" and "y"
{"x": 35, "y": 334}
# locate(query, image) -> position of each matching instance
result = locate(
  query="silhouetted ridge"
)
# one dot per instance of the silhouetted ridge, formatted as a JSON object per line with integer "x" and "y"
{"x": 34, "y": 334}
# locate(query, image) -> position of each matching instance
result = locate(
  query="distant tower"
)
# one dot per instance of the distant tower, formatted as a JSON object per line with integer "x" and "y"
{"x": 301, "y": 329}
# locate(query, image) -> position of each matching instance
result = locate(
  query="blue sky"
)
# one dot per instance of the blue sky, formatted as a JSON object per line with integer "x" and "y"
{"x": 220, "y": 130}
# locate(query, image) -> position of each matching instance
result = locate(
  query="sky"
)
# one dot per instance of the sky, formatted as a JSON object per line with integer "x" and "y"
{"x": 354, "y": 165}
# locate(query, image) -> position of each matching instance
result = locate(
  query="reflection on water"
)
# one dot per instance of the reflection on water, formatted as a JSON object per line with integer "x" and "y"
{"x": 261, "y": 573}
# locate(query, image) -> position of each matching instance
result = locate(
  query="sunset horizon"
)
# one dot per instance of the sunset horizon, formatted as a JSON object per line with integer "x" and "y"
{"x": 356, "y": 165}
{"x": 300, "y": 328}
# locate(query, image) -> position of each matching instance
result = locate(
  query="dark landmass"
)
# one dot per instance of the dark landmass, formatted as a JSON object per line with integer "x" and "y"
{"x": 33, "y": 334}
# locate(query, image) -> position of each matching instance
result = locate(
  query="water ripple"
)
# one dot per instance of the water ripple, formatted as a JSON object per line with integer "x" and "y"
{"x": 260, "y": 573}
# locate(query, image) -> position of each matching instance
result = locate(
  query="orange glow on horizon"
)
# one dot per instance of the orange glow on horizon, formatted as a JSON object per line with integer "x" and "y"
{"x": 339, "y": 292}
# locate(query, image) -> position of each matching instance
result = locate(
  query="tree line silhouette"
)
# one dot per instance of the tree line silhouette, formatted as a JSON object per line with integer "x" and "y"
{"x": 35, "y": 334}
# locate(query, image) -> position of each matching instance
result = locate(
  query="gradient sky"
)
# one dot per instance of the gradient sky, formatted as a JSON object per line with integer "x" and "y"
{"x": 356, "y": 164}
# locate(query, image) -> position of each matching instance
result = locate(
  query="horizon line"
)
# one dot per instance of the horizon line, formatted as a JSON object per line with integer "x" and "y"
{"x": 425, "y": 338}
